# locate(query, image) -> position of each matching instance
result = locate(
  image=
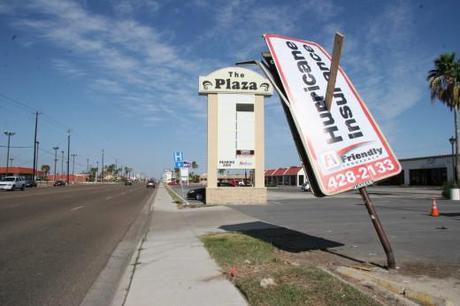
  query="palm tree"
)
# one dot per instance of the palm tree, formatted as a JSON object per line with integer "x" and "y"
{"x": 444, "y": 83}
{"x": 45, "y": 169}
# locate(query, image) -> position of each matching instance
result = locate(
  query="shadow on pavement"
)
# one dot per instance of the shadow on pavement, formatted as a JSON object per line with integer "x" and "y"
{"x": 281, "y": 237}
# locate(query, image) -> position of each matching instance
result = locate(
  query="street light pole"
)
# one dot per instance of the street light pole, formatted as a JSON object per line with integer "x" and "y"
{"x": 102, "y": 167}
{"x": 62, "y": 162}
{"x": 452, "y": 141}
{"x": 97, "y": 171}
{"x": 55, "y": 161}
{"x": 73, "y": 164}
{"x": 68, "y": 156}
{"x": 9, "y": 134}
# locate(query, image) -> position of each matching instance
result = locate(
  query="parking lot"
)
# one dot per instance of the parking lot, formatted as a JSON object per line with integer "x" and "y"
{"x": 341, "y": 224}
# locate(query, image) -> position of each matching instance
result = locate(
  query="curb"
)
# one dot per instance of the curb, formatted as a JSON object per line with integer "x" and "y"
{"x": 108, "y": 288}
{"x": 394, "y": 299}
{"x": 392, "y": 286}
{"x": 178, "y": 195}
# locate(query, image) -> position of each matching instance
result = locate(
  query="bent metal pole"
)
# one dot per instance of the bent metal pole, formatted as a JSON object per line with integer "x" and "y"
{"x": 379, "y": 228}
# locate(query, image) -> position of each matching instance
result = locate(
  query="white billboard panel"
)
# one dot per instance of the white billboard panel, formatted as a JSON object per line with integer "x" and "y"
{"x": 345, "y": 147}
{"x": 235, "y": 131}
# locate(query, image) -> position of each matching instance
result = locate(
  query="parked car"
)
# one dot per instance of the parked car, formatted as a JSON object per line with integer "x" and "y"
{"x": 198, "y": 194}
{"x": 226, "y": 184}
{"x": 151, "y": 184}
{"x": 305, "y": 186}
{"x": 30, "y": 183}
{"x": 59, "y": 183}
{"x": 12, "y": 183}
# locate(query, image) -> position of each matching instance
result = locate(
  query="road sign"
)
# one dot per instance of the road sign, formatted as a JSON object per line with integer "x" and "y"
{"x": 344, "y": 146}
{"x": 178, "y": 157}
{"x": 179, "y": 164}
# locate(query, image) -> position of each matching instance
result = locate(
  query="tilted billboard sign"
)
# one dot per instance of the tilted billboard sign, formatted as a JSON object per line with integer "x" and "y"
{"x": 344, "y": 145}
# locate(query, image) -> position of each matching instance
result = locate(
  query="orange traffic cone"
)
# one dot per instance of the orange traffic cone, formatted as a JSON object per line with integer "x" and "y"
{"x": 434, "y": 209}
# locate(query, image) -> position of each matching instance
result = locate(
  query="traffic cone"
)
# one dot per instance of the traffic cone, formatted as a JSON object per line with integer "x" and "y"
{"x": 434, "y": 209}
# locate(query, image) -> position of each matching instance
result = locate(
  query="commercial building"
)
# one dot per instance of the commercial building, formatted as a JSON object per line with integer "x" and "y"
{"x": 417, "y": 171}
{"x": 27, "y": 173}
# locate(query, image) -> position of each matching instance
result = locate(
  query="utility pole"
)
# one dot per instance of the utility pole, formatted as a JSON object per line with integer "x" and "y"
{"x": 55, "y": 161}
{"x": 116, "y": 167}
{"x": 97, "y": 171}
{"x": 36, "y": 156}
{"x": 102, "y": 168}
{"x": 62, "y": 162}
{"x": 9, "y": 134}
{"x": 68, "y": 155}
{"x": 73, "y": 164}
{"x": 35, "y": 146}
{"x": 87, "y": 165}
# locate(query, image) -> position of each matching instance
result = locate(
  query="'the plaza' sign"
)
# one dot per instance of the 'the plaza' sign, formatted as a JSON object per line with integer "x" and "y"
{"x": 345, "y": 147}
{"x": 234, "y": 80}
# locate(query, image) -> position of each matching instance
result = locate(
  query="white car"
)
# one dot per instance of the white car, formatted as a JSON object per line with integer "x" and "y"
{"x": 305, "y": 186}
{"x": 12, "y": 183}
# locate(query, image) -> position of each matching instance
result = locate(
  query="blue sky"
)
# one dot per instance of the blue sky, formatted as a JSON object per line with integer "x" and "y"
{"x": 123, "y": 74}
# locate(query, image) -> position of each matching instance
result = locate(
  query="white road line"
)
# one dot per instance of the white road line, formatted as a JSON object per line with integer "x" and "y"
{"x": 108, "y": 198}
{"x": 77, "y": 208}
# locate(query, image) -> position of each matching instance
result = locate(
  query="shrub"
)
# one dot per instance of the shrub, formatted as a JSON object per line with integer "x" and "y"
{"x": 446, "y": 188}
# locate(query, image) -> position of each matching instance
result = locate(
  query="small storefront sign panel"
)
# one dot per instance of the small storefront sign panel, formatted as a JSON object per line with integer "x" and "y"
{"x": 344, "y": 145}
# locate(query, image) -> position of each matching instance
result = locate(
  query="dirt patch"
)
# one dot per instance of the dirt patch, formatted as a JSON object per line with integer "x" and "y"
{"x": 438, "y": 270}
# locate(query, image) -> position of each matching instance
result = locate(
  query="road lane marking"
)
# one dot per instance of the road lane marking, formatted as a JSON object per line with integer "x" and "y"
{"x": 108, "y": 198}
{"x": 77, "y": 208}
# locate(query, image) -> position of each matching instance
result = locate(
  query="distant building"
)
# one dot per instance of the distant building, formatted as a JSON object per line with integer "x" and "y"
{"x": 428, "y": 171}
{"x": 27, "y": 173}
{"x": 291, "y": 176}
{"x": 417, "y": 171}
{"x": 167, "y": 176}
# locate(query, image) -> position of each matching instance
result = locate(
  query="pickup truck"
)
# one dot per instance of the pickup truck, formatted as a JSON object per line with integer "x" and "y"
{"x": 12, "y": 183}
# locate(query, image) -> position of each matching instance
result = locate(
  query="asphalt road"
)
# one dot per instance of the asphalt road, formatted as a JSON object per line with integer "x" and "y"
{"x": 55, "y": 241}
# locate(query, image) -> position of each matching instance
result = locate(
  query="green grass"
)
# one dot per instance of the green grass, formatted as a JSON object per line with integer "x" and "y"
{"x": 295, "y": 285}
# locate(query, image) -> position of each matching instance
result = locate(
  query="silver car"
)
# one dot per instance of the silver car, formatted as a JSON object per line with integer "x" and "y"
{"x": 12, "y": 183}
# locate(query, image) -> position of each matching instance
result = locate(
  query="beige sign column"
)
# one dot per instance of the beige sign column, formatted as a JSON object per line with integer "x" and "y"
{"x": 260, "y": 142}
{"x": 236, "y": 107}
{"x": 212, "y": 140}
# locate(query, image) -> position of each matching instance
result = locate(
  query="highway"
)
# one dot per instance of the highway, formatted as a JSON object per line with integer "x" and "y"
{"x": 55, "y": 241}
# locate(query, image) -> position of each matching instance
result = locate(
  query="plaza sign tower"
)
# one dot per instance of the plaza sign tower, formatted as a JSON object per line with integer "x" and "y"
{"x": 235, "y": 131}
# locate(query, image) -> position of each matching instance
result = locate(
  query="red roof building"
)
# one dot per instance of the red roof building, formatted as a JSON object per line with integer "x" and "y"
{"x": 20, "y": 171}
{"x": 292, "y": 176}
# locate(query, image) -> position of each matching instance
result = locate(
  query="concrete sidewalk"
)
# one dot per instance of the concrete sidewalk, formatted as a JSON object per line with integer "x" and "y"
{"x": 173, "y": 267}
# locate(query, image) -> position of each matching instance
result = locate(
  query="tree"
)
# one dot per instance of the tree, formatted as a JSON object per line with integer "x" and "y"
{"x": 45, "y": 169}
{"x": 444, "y": 83}
{"x": 92, "y": 174}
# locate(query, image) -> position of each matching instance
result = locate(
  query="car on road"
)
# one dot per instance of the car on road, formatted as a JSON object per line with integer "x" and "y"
{"x": 151, "y": 184}
{"x": 128, "y": 183}
{"x": 305, "y": 186}
{"x": 59, "y": 183}
{"x": 12, "y": 183}
{"x": 198, "y": 194}
{"x": 30, "y": 183}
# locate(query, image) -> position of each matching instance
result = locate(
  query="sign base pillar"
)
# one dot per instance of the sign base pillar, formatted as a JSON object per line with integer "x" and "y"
{"x": 236, "y": 195}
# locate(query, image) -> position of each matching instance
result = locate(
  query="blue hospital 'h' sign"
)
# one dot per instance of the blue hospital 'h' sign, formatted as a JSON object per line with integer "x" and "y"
{"x": 178, "y": 157}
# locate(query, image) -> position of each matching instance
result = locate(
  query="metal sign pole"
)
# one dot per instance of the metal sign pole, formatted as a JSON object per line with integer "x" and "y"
{"x": 378, "y": 228}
